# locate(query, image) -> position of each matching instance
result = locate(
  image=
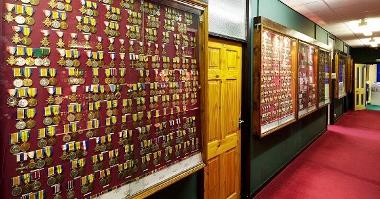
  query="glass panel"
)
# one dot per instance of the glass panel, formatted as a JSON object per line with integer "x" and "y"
{"x": 228, "y": 18}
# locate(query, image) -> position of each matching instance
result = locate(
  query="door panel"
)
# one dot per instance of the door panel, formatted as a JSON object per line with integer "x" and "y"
{"x": 360, "y": 86}
{"x": 232, "y": 104}
{"x": 229, "y": 166}
{"x": 212, "y": 181}
{"x": 223, "y": 132}
{"x": 214, "y": 96}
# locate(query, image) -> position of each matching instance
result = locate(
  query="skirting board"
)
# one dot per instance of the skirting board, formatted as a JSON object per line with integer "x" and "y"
{"x": 150, "y": 184}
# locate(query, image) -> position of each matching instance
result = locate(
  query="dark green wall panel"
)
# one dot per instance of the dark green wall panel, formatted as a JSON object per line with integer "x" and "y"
{"x": 186, "y": 188}
{"x": 271, "y": 153}
{"x": 338, "y": 107}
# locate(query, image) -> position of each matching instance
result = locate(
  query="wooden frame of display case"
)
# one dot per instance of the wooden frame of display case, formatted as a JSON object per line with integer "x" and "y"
{"x": 328, "y": 52}
{"x": 337, "y": 57}
{"x": 260, "y": 24}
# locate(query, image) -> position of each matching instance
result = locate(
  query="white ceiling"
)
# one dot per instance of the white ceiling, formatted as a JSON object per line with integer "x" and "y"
{"x": 341, "y": 17}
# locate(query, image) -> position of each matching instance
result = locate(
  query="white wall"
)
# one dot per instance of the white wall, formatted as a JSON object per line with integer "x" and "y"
{"x": 372, "y": 76}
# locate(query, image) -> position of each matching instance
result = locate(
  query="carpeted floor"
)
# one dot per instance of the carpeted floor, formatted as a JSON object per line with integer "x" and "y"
{"x": 344, "y": 163}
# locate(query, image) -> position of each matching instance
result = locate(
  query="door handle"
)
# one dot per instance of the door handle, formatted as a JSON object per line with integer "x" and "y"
{"x": 240, "y": 123}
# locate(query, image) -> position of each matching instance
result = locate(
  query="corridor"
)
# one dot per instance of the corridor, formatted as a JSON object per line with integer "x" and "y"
{"x": 343, "y": 163}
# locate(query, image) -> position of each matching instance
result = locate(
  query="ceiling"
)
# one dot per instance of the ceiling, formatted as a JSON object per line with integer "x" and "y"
{"x": 342, "y": 18}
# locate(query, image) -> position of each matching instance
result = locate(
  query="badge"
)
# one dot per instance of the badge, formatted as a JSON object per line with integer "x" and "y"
{"x": 58, "y": 100}
{"x": 28, "y": 82}
{"x": 30, "y": 124}
{"x": 74, "y": 173}
{"x": 20, "y": 125}
{"x": 44, "y": 82}
{"x": 36, "y": 185}
{"x": 18, "y": 83}
{"x": 66, "y": 138}
{"x": 49, "y": 161}
{"x": 71, "y": 117}
{"x": 32, "y": 102}
{"x": 70, "y": 194}
{"x": 42, "y": 143}
{"x": 48, "y": 121}
{"x": 20, "y": 19}
{"x": 40, "y": 164}
{"x": 16, "y": 191}
{"x": 23, "y": 103}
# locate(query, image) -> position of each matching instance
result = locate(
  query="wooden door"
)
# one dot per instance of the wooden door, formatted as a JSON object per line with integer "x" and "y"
{"x": 222, "y": 173}
{"x": 360, "y": 86}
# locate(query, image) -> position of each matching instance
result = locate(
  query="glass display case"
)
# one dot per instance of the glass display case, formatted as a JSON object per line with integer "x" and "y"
{"x": 324, "y": 77}
{"x": 96, "y": 93}
{"x": 274, "y": 81}
{"x": 340, "y": 70}
{"x": 307, "y": 79}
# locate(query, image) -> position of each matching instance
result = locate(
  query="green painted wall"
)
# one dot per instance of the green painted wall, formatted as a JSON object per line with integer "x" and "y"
{"x": 271, "y": 153}
{"x": 186, "y": 188}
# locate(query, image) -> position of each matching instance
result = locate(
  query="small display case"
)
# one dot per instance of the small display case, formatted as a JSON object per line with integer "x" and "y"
{"x": 324, "y": 77}
{"x": 340, "y": 70}
{"x": 307, "y": 79}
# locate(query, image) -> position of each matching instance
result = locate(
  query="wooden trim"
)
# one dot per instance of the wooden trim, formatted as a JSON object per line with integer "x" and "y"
{"x": 166, "y": 183}
{"x": 267, "y": 23}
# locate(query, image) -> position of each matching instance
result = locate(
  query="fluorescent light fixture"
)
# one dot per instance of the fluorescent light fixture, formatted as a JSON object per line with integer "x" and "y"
{"x": 365, "y": 26}
{"x": 373, "y": 42}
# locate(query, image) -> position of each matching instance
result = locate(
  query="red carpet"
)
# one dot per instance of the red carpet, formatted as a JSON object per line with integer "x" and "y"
{"x": 344, "y": 163}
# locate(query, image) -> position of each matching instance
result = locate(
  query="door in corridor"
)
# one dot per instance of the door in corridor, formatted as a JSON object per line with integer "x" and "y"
{"x": 360, "y": 86}
{"x": 222, "y": 173}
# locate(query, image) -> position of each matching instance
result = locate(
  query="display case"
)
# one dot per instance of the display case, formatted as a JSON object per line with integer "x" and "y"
{"x": 96, "y": 94}
{"x": 324, "y": 77}
{"x": 307, "y": 79}
{"x": 275, "y": 67}
{"x": 349, "y": 76}
{"x": 340, "y": 70}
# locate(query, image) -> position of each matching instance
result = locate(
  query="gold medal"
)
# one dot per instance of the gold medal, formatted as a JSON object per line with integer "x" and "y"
{"x": 30, "y": 124}
{"x": 32, "y": 102}
{"x": 25, "y": 147}
{"x": 15, "y": 149}
{"x": 71, "y": 117}
{"x": 66, "y": 138}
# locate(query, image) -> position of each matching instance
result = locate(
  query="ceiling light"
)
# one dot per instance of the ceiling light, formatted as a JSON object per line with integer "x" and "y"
{"x": 373, "y": 43}
{"x": 364, "y": 28}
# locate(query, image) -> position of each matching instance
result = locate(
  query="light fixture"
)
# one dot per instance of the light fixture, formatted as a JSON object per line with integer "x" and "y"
{"x": 363, "y": 25}
{"x": 373, "y": 43}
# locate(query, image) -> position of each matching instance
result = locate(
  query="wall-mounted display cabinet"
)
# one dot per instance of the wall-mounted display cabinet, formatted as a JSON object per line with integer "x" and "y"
{"x": 99, "y": 95}
{"x": 340, "y": 70}
{"x": 307, "y": 79}
{"x": 324, "y": 77}
{"x": 287, "y": 77}
{"x": 275, "y": 73}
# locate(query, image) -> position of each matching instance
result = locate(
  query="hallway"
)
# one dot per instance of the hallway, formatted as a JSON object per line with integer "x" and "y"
{"x": 342, "y": 163}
